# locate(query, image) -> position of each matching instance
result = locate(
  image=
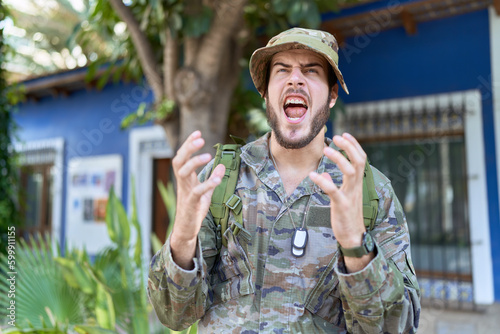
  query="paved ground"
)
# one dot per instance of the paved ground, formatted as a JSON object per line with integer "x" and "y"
{"x": 436, "y": 320}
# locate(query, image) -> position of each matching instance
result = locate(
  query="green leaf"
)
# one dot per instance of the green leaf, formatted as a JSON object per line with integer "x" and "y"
{"x": 175, "y": 22}
{"x": 155, "y": 243}
{"x": 164, "y": 109}
{"x": 295, "y": 12}
{"x": 170, "y": 201}
{"x": 43, "y": 297}
{"x": 160, "y": 13}
{"x": 75, "y": 275}
{"x": 280, "y": 6}
{"x": 145, "y": 17}
{"x": 198, "y": 24}
{"x": 32, "y": 331}
{"x": 140, "y": 110}
{"x": 128, "y": 121}
{"x": 111, "y": 219}
{"x": 313, "y": 16}
{"x": 117, "y": 221}
{"x": 91, "y": 71}
{"x": 85, "y": 329}
{"x": 104, "y": 309}
{"x": 135, "y": 222}
{"x": 194, "y": 328}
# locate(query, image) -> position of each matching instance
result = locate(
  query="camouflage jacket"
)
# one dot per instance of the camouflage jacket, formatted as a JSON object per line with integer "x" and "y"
{"x": 255, "y": 285}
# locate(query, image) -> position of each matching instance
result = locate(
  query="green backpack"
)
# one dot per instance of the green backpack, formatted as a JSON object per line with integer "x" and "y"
{"x": 224, "y": 199}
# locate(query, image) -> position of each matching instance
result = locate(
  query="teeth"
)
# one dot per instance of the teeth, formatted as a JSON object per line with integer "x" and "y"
{"x": 295, "y": 101}
{"x": 293, "y": 118}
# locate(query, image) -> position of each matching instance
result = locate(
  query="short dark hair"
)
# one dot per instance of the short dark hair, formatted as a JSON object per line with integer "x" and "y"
{"x": 332, "y": 78}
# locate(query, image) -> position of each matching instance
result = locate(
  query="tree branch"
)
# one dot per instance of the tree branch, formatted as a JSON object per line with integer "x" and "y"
{"x": 142, "y": 46}
{"x": 190, "y": 48}
{"x": 172, "y": 130}
{"x": 170, "y": 54}
{"x": 227, "y": 83}
{"x": 228, "y": 13}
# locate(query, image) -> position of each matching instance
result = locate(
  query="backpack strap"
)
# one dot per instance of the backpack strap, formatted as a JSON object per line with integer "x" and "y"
{"x": 224, "y": 198}
{"x": 370, "y": 197}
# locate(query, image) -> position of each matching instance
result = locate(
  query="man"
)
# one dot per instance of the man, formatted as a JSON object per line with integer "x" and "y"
{"x": 303, "y": 262}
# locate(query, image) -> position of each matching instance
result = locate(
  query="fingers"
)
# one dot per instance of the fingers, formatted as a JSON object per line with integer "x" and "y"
{"x": 192, "y": 164}
{"x": 207, "y": 187}
{"x": 353, "y": 140}
{"x": 325, "y": 182}
{"x": 345, "y": 166}
{"x": 354, "y": 168}
{"x": 192, "y": 144}
{"x": 219, "y": 171}
{"x": 354, "y": 151}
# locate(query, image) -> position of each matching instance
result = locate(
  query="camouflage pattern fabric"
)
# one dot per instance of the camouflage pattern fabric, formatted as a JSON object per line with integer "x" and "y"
{"x": 255, "y": 285}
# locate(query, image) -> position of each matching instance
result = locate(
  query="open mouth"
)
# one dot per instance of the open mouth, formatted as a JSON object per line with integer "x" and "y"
{"x": 295, "y": 108}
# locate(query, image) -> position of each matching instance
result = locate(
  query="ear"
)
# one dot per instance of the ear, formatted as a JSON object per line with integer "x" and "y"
{"x": 335, "y": 94}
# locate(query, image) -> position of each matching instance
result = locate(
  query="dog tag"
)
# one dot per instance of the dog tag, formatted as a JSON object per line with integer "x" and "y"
{"x": 299, "y": 239}
{"x": 298, "y": 252}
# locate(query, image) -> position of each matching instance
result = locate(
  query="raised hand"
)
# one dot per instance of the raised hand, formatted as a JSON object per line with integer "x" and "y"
{"x": 346, "y": 202}
{"x": 193, "y": 198}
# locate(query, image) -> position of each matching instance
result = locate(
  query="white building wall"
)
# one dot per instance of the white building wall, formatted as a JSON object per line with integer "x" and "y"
{"x": 495, "y": 78}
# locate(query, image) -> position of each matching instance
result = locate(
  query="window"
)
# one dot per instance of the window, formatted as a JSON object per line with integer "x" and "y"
{"x": 432, "y": 150}
{"x": 161, "y": 173}
{"x": 36, "y": 199}
{"x": 429, "y": 178}
{"x": 40, "y": 192}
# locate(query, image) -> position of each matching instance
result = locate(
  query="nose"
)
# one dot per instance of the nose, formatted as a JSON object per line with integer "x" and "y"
{"x": 296, "y": 78}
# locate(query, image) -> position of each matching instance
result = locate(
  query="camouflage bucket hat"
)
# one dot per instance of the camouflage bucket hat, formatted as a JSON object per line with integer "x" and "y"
{"x": 296, "y": 38}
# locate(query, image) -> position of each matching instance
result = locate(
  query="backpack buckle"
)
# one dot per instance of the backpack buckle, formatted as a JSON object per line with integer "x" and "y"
{"x": 229, "y": 152}
{"x": 233, "y": 202}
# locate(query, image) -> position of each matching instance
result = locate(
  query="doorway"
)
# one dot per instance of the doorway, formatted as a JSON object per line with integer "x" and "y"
{"x": 161, "y": 173}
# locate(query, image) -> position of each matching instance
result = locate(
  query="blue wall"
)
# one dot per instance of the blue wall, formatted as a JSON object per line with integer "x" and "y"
{"x": 89, "y": 122}
{"x": 444, "y": 56}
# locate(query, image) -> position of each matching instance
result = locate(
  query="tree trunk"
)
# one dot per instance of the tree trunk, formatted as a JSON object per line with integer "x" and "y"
{"x": 204, "y": 105}
{"x": 201, "y": 106}
{"x": 205, "y": 85}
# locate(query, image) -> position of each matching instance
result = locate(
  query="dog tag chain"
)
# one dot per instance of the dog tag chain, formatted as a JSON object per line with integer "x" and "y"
{"x": 300, "y": 235}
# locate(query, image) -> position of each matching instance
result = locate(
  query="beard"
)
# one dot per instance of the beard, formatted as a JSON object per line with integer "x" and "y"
{"x": 318, "y": 122}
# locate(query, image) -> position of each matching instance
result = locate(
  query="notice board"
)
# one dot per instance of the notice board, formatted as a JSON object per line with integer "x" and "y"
{"x": 88, "y": 183}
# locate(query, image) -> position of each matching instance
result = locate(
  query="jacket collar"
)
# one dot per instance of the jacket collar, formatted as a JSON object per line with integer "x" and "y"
{"x": 256, "y": 156}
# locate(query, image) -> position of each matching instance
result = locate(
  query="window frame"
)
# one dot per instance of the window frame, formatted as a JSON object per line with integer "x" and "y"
{"x": 57, "y": 160}
{"x": 479, "y": 222}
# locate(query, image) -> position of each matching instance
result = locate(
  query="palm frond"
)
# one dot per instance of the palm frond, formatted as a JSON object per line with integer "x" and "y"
{"x": 43, "y": 298}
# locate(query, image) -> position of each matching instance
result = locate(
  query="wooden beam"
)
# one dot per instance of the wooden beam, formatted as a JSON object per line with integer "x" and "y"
{"x": 59, "y": 91}
{"x": 406, "y": 15}
{"x": 58, "y": 80}
{"x": 409, "y": 22}
{"x": 54, "y": 92}
{"x": 339, "y": 37}
{"x": 32, "y": 97}
{"x": 496, "y": 5}
{"x": 90, "y": 85}
{"x": 331, "y": 28}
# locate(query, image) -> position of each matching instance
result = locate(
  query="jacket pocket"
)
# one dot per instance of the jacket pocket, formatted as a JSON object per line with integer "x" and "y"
{"x": 404, "y": 264}
{"x": 324, "y": 300}
{"x": 232, "y": 277}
